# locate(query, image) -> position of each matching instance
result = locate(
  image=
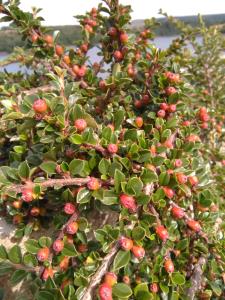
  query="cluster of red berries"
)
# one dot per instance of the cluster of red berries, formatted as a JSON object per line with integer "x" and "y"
{"x": 127, "y": 244}
{"x": 145, "y": 99}
{"x": 204, "y": 117}
{"x": 166, "y": 109}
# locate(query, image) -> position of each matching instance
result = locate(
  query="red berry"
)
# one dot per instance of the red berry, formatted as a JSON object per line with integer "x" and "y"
{"x": 126, "y": 279}
{"x": 194, "y": 225}
{"x": 58, "y": 245}
{"x": 126, "y": 243}
{"x": 105, "y": 292}
{"x": 193, "y": 138}
{"x": 186, "y": 123}
{"x": 138, "y": 252}
{"x": 35, "y": 211}
{"x": 59, "y": 50}
{"x": 146, "y": 99}
{"x": 80, "y": 125}
{"x": 48, "y": 272}
{"x": 161, "y": 113}
{"x": 139, "y": 122}
{"x": 154, "y": 287}
{"x": 43, "y": 254}
{"x": 93, "y": 184}
{"x": 169, "y": 266}
{"x": 27, "y": 195}
{"x": 177, "y": 212}
{"x": 69, "y": 208}
{"x": 82, "y": 71}
{"x": 66, "y": 59}
{"x": 112, "y": 31}
{"x": 88, "y": 28}
{"x": 48, "y": 39}
{"x": 17, "y": 204}
{"x": 204, "y": 125}
{"x": 118, "y": 55}
{"x": 172, "y": 108}
{"x": 181, "y": 178}
{"x": 170, "y": 91}
{"x": 178, "y": 163}
{"x": 112, "y": 148}
{"x": 164, "y": 106}
{"x": 82, "y": 248}
{"x": 72, "y": 228}
{"x": 138, "y": 104}
{"x": 123, "y": 38}
{"x": 128, "y": 202}
{"x": 110, "y": 279}
{"x": 168, "y": 144}
{"x": 34, "y": 37}
{"x": 193, "y": 180}
{"x": 162, "y": 233}
{"x": 40, "y": 106}
{"x": 168, "y": 192}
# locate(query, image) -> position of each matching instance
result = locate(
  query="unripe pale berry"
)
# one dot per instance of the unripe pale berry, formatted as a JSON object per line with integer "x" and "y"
{"x": 162, "y": 233}
{"x": 40, "y": 106}
{"x": 69, "y": 208}
{"x": 138, "y": 251}
{"x": 128, "y": 202}
{"x": 80, "y": 125}
{"x": 126, "y": 243}
{"x": 193, "y": 180}
{"x": 43, "y": 254}
{"x": 72, "y": 227}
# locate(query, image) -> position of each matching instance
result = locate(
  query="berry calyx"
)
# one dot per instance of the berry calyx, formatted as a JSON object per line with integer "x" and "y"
{"x": 110, "y": 279}
{"x": 128, "y": 202}
{"x": 69, "y": 208}
{"x": 126, "y": 243}
{"x": 80, "y": 125}
{"x": 43, "y": 254}
{"x": 40, "y": 106}
{"x": 162, "y": 233}
{"x": 138, "y": 251}
{"x": 177, "y": 212}
{"x": 72, "y": 228}
{"x": 93, "y": 184}
{"x": 105, "y": 292}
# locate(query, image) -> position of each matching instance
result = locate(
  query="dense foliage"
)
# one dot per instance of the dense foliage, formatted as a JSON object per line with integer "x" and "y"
{"x": 105, "y": 154}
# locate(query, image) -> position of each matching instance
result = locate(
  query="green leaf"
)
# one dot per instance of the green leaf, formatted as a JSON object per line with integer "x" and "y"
{"x": 138, "y": 233}
{"x": 103, "y": 166}
{"x": 178, "y": 278}
{"x": 30, "y": 260}
{"x": 109, "y": 197}
{"x": 3, "y": 253}
{"x": 83, "y": 196}
{"x": 76, "y": 139}
{"x": 69, "y": 250}
{"x": 5, "y": 268}
{"x": 32, "y": 246}
{"x": 76, "y": 166}
{"x": 149, "y": 176}
{"x": 122, "y": 290}
{"x": 45, "y": 241}
{"x": 49, "y": 167}
{"x": 18, "y": 276}
{"x": 118, "y": 178}
{"x": 141, "y": 287}
{"x": 121, "y": 260}
{"x": 15, "y": 255}
{"x": 24, "y": 170}
{"x": 118, "y": 119}
{"x": 46, "y": 295}
{"x": 135, "y": 186}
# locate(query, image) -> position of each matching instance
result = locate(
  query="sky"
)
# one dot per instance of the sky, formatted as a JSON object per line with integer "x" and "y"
{"x": 61, "y": 12}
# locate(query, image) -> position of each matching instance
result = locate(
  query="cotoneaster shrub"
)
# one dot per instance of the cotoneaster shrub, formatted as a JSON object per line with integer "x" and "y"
{"x": 110, "y": 163}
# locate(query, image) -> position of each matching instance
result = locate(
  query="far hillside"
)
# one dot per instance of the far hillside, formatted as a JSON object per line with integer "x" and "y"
{"x": 9, "y": 38}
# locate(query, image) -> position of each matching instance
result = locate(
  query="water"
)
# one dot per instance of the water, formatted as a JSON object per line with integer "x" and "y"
{"x": 160, "y": 42}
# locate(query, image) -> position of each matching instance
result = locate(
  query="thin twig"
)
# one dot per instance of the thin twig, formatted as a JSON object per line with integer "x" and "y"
{"x": 196, "y": 279}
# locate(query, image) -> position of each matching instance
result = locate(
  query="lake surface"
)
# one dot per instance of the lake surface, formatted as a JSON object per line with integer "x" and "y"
{"x": 160, "y": 42}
